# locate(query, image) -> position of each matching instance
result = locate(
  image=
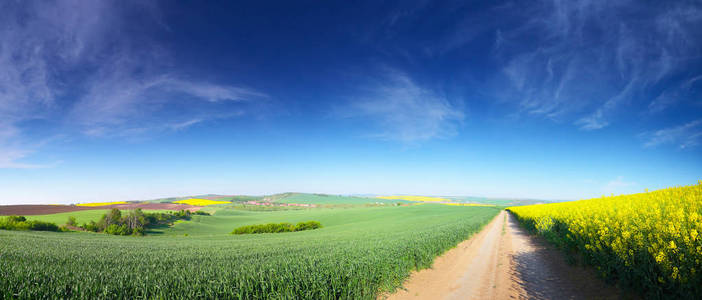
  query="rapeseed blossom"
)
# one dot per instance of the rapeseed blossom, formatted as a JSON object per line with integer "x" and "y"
{"x": 650, "y": 239}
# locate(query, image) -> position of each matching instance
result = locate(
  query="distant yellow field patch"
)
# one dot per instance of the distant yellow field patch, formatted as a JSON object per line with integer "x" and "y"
{"x": 467, "y": 204}
{"x": 200, "y": 202}
{"x": 416, "y": 198}
{"x": 101, "y": 203}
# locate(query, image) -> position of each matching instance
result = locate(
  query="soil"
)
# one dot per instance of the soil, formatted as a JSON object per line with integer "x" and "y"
{"x": 505, "y": 262}
{"x": 29, "y": 210}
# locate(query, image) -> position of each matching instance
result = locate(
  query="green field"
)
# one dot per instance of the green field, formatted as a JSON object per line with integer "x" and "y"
{"x": 359, "y": 253}
{"x": 82, "y": 216}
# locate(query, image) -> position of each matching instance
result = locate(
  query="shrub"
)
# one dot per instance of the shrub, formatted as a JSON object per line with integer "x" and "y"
{"x": 16, "y": 219}
{"x": 118, "y": 229}
{"x": 42, "y": 226}
{"x": 276, "y": 227}
{"x": 309, "y": 225}
{"x": 21, "y": 223}
{"x": 91, "y": 226}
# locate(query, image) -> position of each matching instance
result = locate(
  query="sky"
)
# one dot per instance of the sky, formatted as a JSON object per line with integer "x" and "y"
{"x": 559, "y": 99}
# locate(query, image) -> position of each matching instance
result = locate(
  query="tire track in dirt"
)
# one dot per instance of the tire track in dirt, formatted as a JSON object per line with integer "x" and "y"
{"x": 504, "y": 262}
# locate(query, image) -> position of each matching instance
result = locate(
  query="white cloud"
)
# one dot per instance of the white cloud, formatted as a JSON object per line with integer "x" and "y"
{"x": 684, "y": 136}
{"x": 13, "y": 152}
{"x": 403, "y": 111}
{"x": 79, "y": 64}
{"x": 211, "y": 92}
{"x": 185, "y": 124}
{"x": 675, "y": 94}
{"x": 120, "y": 97}
{"x": 581, "y": 60}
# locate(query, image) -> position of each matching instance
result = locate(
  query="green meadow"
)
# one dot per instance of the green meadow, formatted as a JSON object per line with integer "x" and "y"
{"x": 358, "y": 254}
{"x": 82, "y": 216}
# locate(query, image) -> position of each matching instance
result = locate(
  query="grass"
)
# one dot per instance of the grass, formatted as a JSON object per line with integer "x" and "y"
{"x": 82, "y": 216}
{"x": 224, "y": 220}
{"x": 359, "y": 253}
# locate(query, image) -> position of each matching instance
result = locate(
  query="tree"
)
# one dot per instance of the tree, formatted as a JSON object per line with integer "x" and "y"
{"x": 135, "y": 219}
{"x": 114, "y": 217}
{"x": 71, "y": 221}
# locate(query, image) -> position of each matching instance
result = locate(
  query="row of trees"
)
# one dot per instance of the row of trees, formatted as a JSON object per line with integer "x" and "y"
{"x": 134, "y": 222}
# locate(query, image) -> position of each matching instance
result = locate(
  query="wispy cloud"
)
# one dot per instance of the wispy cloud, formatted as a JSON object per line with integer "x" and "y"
{"x": 86, "y": 65}
{"x": 185, "y": 124}
{"x": 676, "y": 94}
{"x": 121, "y": 97}
{"x": 584, "y": 61}
{"x": 684, "y": 136}
{"x": 9, "y": 159}
{"x": 404, "y": 111}
{"x": 13, "y": 151}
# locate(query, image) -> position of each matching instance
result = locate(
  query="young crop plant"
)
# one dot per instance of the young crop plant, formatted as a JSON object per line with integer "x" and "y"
{"x": 360, "y": 254}
{"x": 650, "y": 241}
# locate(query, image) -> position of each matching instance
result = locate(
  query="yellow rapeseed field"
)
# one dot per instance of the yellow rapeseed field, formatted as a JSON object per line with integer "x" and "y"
{"x": 200, "y": 202}
{"x": 650, "y": 241}
{"x": 416, "y": 198}
{"x": 101, "y": 203}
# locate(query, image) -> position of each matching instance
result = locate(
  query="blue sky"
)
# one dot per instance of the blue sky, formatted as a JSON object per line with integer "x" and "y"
{"x": 118, "y": 100}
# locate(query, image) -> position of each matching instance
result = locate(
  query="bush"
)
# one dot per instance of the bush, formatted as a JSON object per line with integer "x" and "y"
{"x": 309, "y": 225}
{"x": 91, "y": 226}
{"x": 118, "y": 229}
{"x": 277, "y": 227}
{"x": 134, "y": 222}
{"x": 71, "y": 221}
{"x": 21, "y": 223}
{"x": 42, "y": 226}
{"x": 16, "y": 219}
{"x": 201, "y": 213}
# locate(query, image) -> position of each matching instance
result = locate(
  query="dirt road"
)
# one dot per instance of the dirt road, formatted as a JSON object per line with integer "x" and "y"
{"x": 504, "y": 262}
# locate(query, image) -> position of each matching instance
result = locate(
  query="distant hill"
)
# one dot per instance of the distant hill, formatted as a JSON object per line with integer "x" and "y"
{"x": 500, "y": 201}
{"x": 304, "y": 198}
{"x": 311, "y": 198}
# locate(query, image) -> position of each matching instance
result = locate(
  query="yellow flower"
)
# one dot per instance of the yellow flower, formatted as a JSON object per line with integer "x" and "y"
{"x": 672, "y": 245}
{"x": 664, "y": 224}
{"x": 200, "y": 202}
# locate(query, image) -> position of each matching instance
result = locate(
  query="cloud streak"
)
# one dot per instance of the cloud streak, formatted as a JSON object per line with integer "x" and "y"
{"x": 589, "y": 60}
{"x": 86, "y": 65}
{"x": 406, "y": 112}
{"x": 684, "y": 136}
